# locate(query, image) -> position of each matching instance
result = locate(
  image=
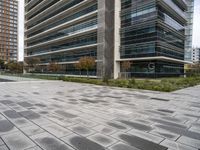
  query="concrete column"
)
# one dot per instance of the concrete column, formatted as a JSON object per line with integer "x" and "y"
{"x": 117, "y": 40}
{"x": 105, "y": 49}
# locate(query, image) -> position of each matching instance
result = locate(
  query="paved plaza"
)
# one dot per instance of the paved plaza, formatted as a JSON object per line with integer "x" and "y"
{"x": 55, "y": 115}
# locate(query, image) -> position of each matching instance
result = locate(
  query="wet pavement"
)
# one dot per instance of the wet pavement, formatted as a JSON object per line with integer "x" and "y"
{"x": 54, "y": 115}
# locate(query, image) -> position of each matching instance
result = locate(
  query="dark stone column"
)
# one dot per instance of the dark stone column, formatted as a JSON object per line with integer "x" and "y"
{"x": 105, "y": 49}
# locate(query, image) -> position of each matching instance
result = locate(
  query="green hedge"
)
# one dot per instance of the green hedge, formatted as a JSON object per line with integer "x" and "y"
{"x": 165, "y": 85}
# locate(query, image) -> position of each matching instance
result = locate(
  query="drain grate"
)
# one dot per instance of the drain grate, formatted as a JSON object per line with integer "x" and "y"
{"x": 160, "y": 99}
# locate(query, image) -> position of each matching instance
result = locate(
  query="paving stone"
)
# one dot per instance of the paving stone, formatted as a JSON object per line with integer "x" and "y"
{"x": 43, "y": 112}
{"x": 102, "y": 139}
{"x": 5, "y": 102}
{"x": 189, "y": 141}
{"x": 63, "y": 123}
{"x": 140, "y": 143}
{"x": 30, "y": 114}
{"x": 82, "y": 143}
{"x": 65, "y": 114}
{"x": 32, "y": 130}
{"x": 1, "y": 116}
{"x": 21, "y": 122}
{"x": 195, "y": 129}
{"x": 85, "y": 122}
{"x": 117, "y": 126}
{"x": 3, "y": 147}
{"x": 196, "y": 124}
{"x": 25, "y": 104}
{"x": 168, "y": 123}
{"x": 6, "y": 127}
{"x": 4, "y": 108}
{"x": 144, "y": 135}
{"x": 104, "y": 129}
{"x": 156, "y": 113}
{"x": 180, "y": 131}
{"x": 19, "y": 109}
{"x": 166, "y": 111}
{"x": 40, "y": 105}
{"x": 176, "y": 146}
{"x": 193, "y": 115}
{"x": 181, "y": 116}
{"x": 12, "y": 114}
{"x": 41, "y": 121}
{"x": 1, "y": 142}
{"x": 17, "y": 141}
{"x": 165, "y": 134}
{"x": 160, "y": 99}
{"x": 7, "y": 96}
{"x": 122, "y": 146}
{"x": 49, "y": 142}
{"x": 57, "y": 130}
{"x": 81, "y": 130}
{"x": 136, "y": 125}
{"x": 144, "y": 121}
{"x": 34, "y": 148}
{"x": 174, "y": 119}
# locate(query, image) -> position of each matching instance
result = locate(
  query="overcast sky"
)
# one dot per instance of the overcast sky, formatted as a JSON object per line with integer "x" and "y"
{"x": 196, "y": 30}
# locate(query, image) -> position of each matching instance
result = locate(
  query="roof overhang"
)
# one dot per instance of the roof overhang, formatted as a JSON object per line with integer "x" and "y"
{"x": 156, "y": 58}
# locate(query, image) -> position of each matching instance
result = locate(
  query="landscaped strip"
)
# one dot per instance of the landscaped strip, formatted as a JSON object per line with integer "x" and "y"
{"x": 164, "y": 84}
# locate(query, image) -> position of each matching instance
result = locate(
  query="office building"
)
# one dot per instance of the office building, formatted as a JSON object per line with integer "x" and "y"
{"x": 195, "y": 55}
{"x": 8, "y": 30}
{"x": 149, "y": 34}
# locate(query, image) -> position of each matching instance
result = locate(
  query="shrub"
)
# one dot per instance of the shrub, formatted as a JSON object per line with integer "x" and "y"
{"x": 119, "y": 83}
{"x": 131, "y": 83}
{"x": 106, "y": 80}
{"x": 83, "y": 80}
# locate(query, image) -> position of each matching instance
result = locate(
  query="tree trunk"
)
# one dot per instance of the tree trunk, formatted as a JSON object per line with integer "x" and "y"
{"x": 87, "y": 73}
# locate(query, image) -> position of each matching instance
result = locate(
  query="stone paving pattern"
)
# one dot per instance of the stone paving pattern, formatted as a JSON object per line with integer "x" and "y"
{"x": 48, "y": 115}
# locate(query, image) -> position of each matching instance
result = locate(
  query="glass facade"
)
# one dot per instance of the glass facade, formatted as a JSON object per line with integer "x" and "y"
{"x": 68, "y": 18}
{"x": 66, "y": 44}
{"x": 154, "y": 69}
{"x": 71, "y": 35}
{"x": 150, "y": 29}
{"x": 81, "y": 27}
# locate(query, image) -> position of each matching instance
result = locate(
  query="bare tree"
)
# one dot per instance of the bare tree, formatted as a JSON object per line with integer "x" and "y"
{"x": 15, "y": 67}
{"x": 78, "y": 67}
{"x": 126, "y": 65}
{"x": 86, "y": 63}
{"x": 31, "y": 63}
{"x": 54, "y": 67}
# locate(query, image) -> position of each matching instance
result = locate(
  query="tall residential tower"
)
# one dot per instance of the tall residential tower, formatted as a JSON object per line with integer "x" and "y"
{"x": 149, "y": 34}
{"x": 8, "y": 30}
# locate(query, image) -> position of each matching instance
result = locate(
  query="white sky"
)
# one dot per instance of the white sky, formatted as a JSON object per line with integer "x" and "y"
{"x": 196, "y": 26}
{"x": 196, "y": 31}
{"x": 21, "y": 30}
